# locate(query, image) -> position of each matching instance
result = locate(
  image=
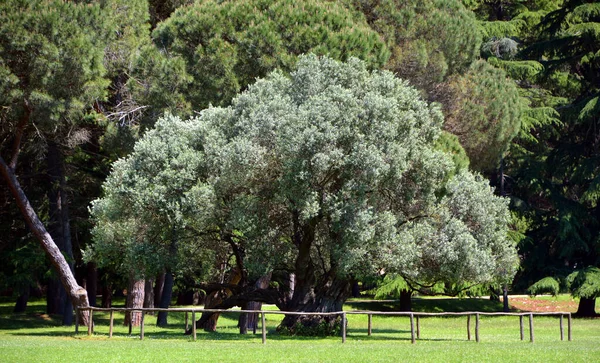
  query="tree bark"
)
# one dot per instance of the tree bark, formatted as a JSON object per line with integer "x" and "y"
{"x": 77, "y": 294}
{"x": 587, "y": 307}
{"x": 165, "y": 299}
{"x": 149, "y": 294}
{"x": 107, "y": 295}
{"x": 92, "y": 283}
{"x": 250, "y": 320}
{"x": 135, "y": 300}
{"x": 158, "y": 288}
{"x": 59, "y": 228}
{"x": 214, "y": 299}
{"x": 406, "y": 300}
{"x": 21, "y": 304}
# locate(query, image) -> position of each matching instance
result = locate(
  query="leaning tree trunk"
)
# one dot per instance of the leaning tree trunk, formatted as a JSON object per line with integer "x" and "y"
{"x": 587, "y": 307}
{"x": 135, "y": 300}
{"x": 77, "y": 294}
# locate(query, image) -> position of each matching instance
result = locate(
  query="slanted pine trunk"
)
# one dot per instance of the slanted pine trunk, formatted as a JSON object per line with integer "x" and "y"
{"x": 77, "y": 294}
{"x": 135, "y": 300}
{"x": 587, "y": 307}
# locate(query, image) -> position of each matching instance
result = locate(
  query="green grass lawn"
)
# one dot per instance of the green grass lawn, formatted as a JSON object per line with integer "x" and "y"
{"x": 35, "y": 337}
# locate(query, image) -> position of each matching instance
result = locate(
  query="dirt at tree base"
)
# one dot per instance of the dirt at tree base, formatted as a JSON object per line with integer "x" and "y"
{"x": 538, "y": 305}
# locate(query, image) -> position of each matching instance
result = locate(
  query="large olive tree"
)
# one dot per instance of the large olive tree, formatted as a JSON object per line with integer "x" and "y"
{"x": 327, "y": 175}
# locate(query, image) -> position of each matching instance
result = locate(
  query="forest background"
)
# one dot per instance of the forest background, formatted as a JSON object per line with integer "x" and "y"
{"x": 83, "y": 81}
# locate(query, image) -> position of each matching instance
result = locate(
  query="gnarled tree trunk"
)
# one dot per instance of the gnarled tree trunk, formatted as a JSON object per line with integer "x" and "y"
{"x": 214, "y": 299}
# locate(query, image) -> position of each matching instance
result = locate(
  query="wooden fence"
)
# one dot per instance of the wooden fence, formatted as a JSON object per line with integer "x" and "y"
{"x": 414, "y": 318}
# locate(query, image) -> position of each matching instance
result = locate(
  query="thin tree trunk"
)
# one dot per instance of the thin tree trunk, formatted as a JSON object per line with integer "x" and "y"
{"x": 107, "y": 295}
{"x": 506, "y": 309}
{"x": 76, "y": 293}
{"x": 59, "y": 225}
{"x": 158, "y": 288}
{"x": 165, "y": 299}
{"x": 21, "y": 304}
{"x": 149, "y": 294}
{"x": 92, "y": 282}
{"x": 135, "y": 300}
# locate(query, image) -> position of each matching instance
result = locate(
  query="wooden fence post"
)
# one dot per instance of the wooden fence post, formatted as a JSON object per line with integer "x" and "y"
{"x": 562, "y": 330}
{"x": 477, "y": 327}
{"x": 370, "y": 324}
{"x": 569, "y": 327}
{"x": 418, "y": 328}
{"x": 90, "y": 322}
{"x": 187, "y": 325}
{"x": 521, "y": 326}
{"x": 76, "y": 320}
{"x": 469, "y": 327}
{"x": 531, "y": 334}
{"x": 110, "y": 326}
{"x": 344, "y": 327}
{"x": 142, "y": 326}
{"x": 412, "y": 329}
{"x": 264, "y": 328}
{"x": 194, "y": 323}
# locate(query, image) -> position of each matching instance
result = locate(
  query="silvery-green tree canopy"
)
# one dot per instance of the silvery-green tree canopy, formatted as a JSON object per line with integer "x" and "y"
{"x": 330, "y": 174}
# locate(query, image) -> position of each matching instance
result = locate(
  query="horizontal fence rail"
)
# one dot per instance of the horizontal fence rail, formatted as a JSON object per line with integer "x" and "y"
{"x": 415, "y": 330}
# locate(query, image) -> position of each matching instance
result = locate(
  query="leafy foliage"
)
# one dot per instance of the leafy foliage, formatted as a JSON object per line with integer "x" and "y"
{"x": 547, "y": 285}
{"x": 585, "y": 283}
{"x": 345, "y": 155}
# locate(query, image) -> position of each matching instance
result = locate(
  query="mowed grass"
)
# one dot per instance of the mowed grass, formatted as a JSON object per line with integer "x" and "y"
{"x": 35, "y": 337}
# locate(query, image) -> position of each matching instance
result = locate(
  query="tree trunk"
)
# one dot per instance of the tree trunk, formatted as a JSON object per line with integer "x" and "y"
{"x": 406, "y": 300}
{"x": 135, "y": 300}
{"x": 77, "y": 294}
{"x": 59, "y": 226}
{"x": 165, "y": 299}
{"x": 505, "y": 306}
{"x": 92, "y": 283}
{"x": 587, "y": 307}
{"x": 158, "y": 288}
{"x": 21, "y": 304}
{"x": 107, "y": 295}
{"x": 149, "y": 294}
{"x": 250, "y": 320}
{"x": 329, "y": 296}
{"x": 217, "y": 297}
